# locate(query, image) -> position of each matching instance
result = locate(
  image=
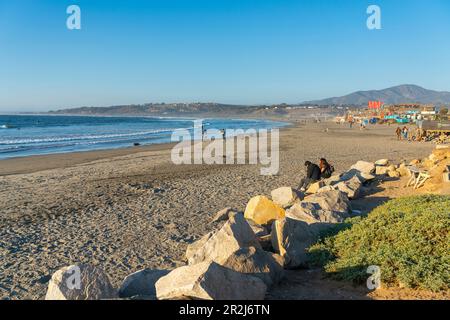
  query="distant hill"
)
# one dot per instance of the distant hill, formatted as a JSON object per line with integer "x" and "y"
{"x": 394, "y": 95}
{"x": 400, "y": 94}
{"x": 159, "y": 109}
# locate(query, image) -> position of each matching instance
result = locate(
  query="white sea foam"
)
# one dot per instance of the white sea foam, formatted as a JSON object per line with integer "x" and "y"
{"x": 83, "y": 137}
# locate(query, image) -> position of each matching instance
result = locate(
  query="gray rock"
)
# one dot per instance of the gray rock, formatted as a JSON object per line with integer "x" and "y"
{"x": 364, "y": 167}
{"x": 304, "y": 222}
{"x": 260, "y": 231}
{"x": 223, "y": 215}
{"x": 332, "y": 180}
{"x": 197, "y": 245}
{"x": 291, "y": 238}
{"x": 217, "y": 246}
{"x": 312, "y": 214}
{"x": 363, "y": 177}
{"x": 80, "y": 282}
{"x": 351, "y": 187}
{"x": 141, "y": 283}
{"x": 335, "y": 200}
{"x": 286, "y": 196}
{"x": 209, "y": 281}
{"x": 259, "y": 263}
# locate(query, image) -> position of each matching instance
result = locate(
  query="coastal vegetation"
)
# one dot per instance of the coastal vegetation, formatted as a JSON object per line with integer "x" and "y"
{"x": 408, "y": 238}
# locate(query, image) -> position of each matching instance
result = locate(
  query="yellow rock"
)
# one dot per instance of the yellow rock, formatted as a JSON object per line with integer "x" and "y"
{"x": 313, "y": 188}
{"x": 262, "y": 210}
{"x": 439, "y": 154}
{"x": 428, "y": 164}
{"x": 391, "y": 168}
{"x": 394, "y": 174}
{"x": 403, "y": 170}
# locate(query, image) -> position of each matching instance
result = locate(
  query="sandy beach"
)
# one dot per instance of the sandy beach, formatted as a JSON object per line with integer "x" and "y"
{"x": 130, "y": 209}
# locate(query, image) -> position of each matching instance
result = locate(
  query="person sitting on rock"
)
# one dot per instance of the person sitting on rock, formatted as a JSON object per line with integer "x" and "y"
{"x": 312, "y": 175}
{"x": 326, "y": 170}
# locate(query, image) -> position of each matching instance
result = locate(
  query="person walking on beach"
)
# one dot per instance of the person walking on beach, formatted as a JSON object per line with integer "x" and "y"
{"x": 326, "y": 170}
{"x": 312, "y": 175}
{"x": 399, "y": 133}
{"x": 405, "y": 133}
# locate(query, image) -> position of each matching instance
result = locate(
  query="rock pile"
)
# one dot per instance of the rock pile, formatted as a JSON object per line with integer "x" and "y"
{"x": 437, "y": 164}
{"x": 246, "y": 253}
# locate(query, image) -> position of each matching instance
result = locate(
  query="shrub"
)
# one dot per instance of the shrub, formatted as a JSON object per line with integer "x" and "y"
{"x": 408, "y": 238}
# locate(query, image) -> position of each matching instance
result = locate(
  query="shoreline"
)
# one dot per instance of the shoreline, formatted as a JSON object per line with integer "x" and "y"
{"x": 38, "y": 162}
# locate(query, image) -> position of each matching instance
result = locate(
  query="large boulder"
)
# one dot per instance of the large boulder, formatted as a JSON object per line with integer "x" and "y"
{"x": 286, "y": 196}
{"x": 394, "y": 174}
{"x": 403, "y": 170}
{"x": 262, "y": 210}
{"x": 312, "y": 214}
{"x": 141, "y": 283}
{"x": 314, "y": 187}
{"x": 291, "y": 238}
{"x": 304, "y": 222}
{"x": 80, "y": 282}
{"x": 334, "y": 200}
{"x": 363, "y": 177}
{"x": 209, "y": 281}
{"x": 264, "y": 265}
{"x": 364, "y": 167}
{"x": 196, "y": 246}
{"x": 259, "y": 230}
{"x": 439, "y": 155}
{"x": 392, "y": 168}
{"x": 379, "y": 171}
{"x": 217, "y": 246}
{"x": 351, "y": 187}
{"x": 223, "y": 215}
{"x": 332, "y": 180}
{"x": 326, "y": 188}
{"x": 382, "y": 162}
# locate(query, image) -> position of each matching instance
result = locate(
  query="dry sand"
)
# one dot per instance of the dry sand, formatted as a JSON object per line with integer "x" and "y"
{"x": 129, "y": 209}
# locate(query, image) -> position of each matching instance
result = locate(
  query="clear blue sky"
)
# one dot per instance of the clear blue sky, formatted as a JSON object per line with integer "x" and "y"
{"x": 231, "y": 51}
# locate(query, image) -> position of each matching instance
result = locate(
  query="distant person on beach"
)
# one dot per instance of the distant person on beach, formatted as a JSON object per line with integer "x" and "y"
{"x": 312, "y": 175}
{"x": 405, "y": 133}
{"x": 418, "y": 134}
{"x": 399, "y": 133}
{"x": 411, "y": 136}
{"x": 326, "y": 170}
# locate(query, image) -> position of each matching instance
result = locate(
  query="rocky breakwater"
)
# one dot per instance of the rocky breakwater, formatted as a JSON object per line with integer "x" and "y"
{"x": 244, "y": 254}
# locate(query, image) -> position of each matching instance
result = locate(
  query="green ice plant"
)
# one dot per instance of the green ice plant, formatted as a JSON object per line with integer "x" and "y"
{"x": 408, "y": 238}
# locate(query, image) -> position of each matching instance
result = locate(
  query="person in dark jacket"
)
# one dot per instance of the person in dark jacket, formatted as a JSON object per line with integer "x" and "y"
{"x": 312, "y": 175}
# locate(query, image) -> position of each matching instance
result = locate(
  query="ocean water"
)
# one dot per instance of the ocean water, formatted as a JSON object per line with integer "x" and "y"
{"x": 25, "y": 135}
